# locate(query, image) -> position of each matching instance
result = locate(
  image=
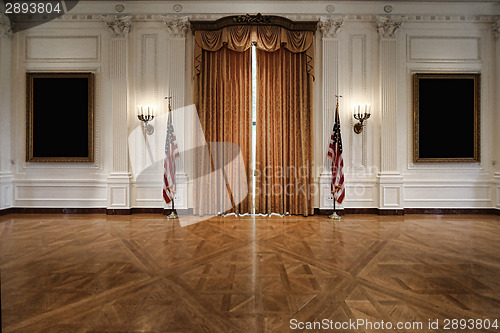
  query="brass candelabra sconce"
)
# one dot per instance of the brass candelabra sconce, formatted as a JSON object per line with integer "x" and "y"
{"x": 361, "y": 113}
{"x": 146, "y": 113}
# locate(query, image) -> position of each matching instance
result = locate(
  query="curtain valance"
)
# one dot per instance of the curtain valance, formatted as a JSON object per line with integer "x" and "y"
{"x": 266, "y": 37}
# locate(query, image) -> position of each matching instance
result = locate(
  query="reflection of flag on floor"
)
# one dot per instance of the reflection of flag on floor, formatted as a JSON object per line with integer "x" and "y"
{"x": 171, "y": 154}
{"x": 335, "y": 153}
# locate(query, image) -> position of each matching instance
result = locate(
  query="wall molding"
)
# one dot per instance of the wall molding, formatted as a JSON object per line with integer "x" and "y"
{"x": 22, "y": 210}
{"x": 317, "y": 211}
{"x": 106, "y": 211}
{"x": 160, "y": 14}
{"x": 6, "y": 193}
{"x": 411, "y": 211}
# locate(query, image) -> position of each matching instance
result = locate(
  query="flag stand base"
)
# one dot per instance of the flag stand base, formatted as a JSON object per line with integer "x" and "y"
{"x": 334, "y": 216}
{"x": 172, "y": 216}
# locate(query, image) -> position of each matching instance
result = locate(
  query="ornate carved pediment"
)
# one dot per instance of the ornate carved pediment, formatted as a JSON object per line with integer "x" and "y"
{"x": 258, "y": 19}
{"x": 119, "y": 26}
{"x": 329, "y": 26}
{"x": 387, "y": 26}
{"x": 5, "y": 28}
{"x": 177, "y": 26}
{"x": 495, "y": 29}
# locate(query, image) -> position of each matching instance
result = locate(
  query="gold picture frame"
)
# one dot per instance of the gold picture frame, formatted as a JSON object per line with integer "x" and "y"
{"x": 446, "y": 118}
{"x": 59, "y": 117}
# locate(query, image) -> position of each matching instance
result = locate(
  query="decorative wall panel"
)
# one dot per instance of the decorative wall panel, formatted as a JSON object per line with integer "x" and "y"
{"x": 443, "y": 49}
{"x": 357, "y": 94}
{"x": 59, "y": 48}
{"x": 59, "y": 194}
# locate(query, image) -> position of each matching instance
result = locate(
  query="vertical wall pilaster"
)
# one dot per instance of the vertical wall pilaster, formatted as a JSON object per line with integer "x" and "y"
{"x": 118, "y": 76}
{"x": 177, "y": 28}
{"x": 495, "y": 29}
{"x": 329, "y": 27}
{"x": 119, "y": 178}
{"x": 176, "y": 55}
{"x": 390, "y": 179}
{"x": 5, "y": 111}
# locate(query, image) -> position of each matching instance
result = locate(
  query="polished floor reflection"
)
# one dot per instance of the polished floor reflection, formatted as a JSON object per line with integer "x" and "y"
{"x": 142, "y": 273}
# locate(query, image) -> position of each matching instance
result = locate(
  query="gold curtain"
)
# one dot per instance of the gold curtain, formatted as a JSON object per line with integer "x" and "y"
{"x": 222, "y": 95}
{"x": 224, "y": 90}
{"x": 284, "y": 181}
{"x": 240, "y": 38}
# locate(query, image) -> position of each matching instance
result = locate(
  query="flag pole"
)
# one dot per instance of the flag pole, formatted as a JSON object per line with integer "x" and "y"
{"x": 334, "y": 215}
{"x": 173, "y": 214}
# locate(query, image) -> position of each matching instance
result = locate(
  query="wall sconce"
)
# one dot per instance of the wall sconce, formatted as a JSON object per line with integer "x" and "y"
{"x": 361, "y": 112}
{"x": 146, "y": 113}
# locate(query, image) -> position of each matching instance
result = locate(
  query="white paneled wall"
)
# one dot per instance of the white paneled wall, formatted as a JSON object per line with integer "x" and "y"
{"x": 5, "y": 117}
{"x": 495, "y": 82}
{"x": 448, "y": 47}
{"x": 362, "y": 54}
{"x": 57, "y": 47}
{"x": 147, "y": 80}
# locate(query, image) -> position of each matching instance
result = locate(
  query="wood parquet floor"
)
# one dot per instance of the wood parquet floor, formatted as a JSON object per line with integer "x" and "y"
{"x": 142, "y": 273}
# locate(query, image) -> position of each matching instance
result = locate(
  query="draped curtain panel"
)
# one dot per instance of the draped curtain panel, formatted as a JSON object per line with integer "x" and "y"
{"x": 224, "y": 95}
{"x": 267, "y": 38}
{"x": 284, "y": 181}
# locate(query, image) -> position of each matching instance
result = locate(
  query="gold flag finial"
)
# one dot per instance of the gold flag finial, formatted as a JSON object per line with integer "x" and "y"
{"x": 169, "y": 99}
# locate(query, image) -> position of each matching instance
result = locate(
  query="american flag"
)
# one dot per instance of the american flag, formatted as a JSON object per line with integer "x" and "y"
{"x": 335, "y": 153}
{"x": 171, "y": 154}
